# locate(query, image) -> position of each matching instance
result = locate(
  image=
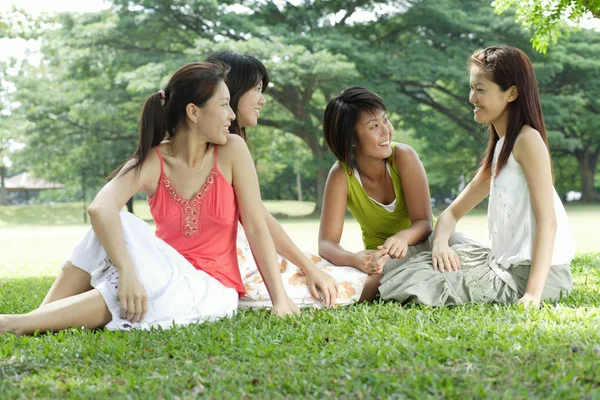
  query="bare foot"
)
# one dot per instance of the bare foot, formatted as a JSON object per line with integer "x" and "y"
{"x": 4, "y": 325}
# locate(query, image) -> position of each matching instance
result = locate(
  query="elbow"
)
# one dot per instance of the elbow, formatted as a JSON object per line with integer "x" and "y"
{"x": 323, "y": 249}
{"x": 93, "y": 210}
{"x": 429, "y": 228}
{"x": 98, "y": 210}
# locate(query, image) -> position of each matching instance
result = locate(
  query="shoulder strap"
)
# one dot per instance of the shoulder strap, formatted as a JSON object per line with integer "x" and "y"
{"x": 162, "y": 167}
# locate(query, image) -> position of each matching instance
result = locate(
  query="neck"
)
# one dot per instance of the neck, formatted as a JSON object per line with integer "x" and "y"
{"x": 500, "y": 125}
{"x": 371, "y": 168}
{"x": 188, "y": 148}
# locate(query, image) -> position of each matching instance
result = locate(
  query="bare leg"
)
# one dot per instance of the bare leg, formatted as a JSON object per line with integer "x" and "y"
{"x": 370, "y": 289}
{"x": 69, "y": 282}
{"x": 86, "y": 310}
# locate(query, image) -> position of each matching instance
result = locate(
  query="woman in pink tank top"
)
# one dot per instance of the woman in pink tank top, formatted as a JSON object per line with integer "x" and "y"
{"x": 200, "y": 181}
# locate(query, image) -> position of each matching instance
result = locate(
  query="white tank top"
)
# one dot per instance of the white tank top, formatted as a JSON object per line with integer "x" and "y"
{"x": 512, "y": 222}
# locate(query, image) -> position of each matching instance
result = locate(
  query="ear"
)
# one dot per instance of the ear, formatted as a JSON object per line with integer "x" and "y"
{"x": 513, "y": 93}
{"x": 191, "y": 112}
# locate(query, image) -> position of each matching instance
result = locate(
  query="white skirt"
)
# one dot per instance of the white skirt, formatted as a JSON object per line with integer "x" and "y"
{"x": 178, "y": 294}
{"x": 350, "y": 281}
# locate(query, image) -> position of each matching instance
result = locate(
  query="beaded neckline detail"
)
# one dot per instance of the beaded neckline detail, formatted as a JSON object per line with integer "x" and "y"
{"x": 190, "y": 209}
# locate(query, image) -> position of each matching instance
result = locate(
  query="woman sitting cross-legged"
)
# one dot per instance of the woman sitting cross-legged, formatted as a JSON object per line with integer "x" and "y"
{"x": 382, "y": 183}
{"x": 531, "y": 243}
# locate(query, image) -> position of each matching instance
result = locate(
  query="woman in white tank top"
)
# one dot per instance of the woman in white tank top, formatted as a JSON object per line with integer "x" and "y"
{"x": 531, "y": 242}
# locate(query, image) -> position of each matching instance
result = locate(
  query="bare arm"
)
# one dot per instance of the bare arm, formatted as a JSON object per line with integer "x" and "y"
{"x": 105, "y": 220}
{"x": 245, "y": 184}
{"x": 317, "y": 280}
{"x": 531, "y": 152}
{"x": 335, "y": 200}
{"x": 284, "y": 244}
{"x": 418, "y": 202}
{"x": 478, "y": 189}
{"x": 332, "y": 219}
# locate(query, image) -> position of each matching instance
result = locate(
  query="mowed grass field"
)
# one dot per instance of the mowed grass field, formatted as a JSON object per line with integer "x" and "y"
{"x": 41, "y": 235}
{"x": 376, "y": 350}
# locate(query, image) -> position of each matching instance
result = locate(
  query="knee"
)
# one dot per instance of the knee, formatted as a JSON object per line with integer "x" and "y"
{"x": 69, "y": 269}
{"x": 68, "y": 266}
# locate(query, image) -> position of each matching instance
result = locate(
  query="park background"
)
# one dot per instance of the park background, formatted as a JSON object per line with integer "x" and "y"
{"x": 68, "y": 115}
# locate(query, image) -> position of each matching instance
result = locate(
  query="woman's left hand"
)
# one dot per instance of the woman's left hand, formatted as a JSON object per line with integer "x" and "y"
{"x": 529, "y": 300}
{"x": 320, "y": 281}
{"x": 396, "y": 247}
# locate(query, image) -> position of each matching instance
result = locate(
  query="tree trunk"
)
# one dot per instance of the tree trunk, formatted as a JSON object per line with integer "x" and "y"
{"x": 299, "y": 185}
{"x": 298, "y": 179}
{"x": 130, "y": 205}
{"x": 84, "y": 199}
{"x": 3, "y": 194}
{"x": 588, "y": 162}
{"x": 321, "y": 177}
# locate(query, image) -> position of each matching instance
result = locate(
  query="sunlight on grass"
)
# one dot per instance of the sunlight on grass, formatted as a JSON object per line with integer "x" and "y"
{"x": 378, "y": 350}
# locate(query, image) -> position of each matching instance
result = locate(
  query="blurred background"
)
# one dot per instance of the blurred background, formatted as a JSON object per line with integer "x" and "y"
{"x": 73, "y": 77}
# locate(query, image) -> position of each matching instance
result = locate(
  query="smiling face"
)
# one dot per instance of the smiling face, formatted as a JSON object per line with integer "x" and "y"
{"x": 249, "y": 106}
{"x": 490, "y": 101}
{"x": 214, "y": 118}
{"x": 374, "y": 134}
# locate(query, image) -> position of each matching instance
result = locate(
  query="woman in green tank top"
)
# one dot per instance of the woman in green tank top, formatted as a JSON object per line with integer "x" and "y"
{"x": 382, "y": 183}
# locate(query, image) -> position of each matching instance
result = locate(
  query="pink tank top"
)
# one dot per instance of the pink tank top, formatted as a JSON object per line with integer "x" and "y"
{"x": 203, "y": 229}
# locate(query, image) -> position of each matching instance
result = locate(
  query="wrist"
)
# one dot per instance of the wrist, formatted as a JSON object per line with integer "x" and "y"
{"x": 533, "y": 293}
{"x": 307, "y": 266}
{"x": 124, "y": 269}
{"x": 439, "y": 241}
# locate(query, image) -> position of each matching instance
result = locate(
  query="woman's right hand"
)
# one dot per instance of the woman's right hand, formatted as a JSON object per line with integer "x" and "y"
{"x": 444, "y": 258}
{"x": 132, "y": 296}
{"x": 285, "y": 307}
{"x": 372, "y": 261}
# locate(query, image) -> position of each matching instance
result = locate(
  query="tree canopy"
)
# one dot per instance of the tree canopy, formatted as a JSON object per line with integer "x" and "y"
{"x": 78, "y": 108}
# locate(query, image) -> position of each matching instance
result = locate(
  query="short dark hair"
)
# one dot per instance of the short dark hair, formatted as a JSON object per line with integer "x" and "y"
{"x": 245, "y": 72}
{"x": 340, "y": 119}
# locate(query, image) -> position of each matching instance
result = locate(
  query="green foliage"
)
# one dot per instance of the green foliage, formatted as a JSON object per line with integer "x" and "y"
{"x": 98, "y": 68}
{"x": 374, "y": 350}
{"x": 549, "y": 19}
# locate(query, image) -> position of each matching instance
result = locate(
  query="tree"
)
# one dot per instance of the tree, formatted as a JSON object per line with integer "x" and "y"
{"x": 549, "y": 18}
{"x": 570, "y": 92}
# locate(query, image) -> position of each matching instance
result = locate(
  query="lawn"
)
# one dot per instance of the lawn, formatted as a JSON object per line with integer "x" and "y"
{"x": 364, "y": 351}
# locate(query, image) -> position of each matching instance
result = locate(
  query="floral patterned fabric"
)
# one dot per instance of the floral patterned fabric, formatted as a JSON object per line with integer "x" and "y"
{"x": 350, "y": 280}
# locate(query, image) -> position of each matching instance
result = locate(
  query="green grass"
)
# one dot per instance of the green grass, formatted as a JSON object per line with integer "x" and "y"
{"x": 364, "y": 351}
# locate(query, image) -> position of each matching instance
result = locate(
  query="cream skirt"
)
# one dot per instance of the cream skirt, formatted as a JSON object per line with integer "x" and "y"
{"x": 177, "y": 292}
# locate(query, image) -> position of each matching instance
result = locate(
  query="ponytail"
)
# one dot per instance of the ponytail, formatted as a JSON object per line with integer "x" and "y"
{"x": 153, "y": 129}
{"x": 165, "y": 110}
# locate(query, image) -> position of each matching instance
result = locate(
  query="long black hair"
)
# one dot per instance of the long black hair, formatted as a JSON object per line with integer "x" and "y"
{"x": 507, "y": 66}
{"x": 245, "y": 73}
{"x": 165, "y": 110}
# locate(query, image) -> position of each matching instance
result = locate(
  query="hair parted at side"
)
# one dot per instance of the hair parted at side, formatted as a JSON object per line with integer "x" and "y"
{"x": 245, "y": 73}
{"x": 165, "y": 110}
{"x": 507, "y": 66}
{"x": 341, "y": 116}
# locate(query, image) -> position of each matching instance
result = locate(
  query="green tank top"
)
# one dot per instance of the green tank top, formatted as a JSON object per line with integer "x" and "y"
{"x": 377, "y": 224}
